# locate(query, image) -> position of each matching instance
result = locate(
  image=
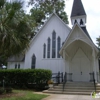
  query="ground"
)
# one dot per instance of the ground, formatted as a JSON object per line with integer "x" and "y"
{"x": 22, "y": 95}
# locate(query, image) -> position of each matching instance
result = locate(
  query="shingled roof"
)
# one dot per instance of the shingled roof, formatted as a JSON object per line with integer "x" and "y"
{"x": 86, "y": 32}
{"x": 19, "y": 58}
{"x": 78, "y": 9}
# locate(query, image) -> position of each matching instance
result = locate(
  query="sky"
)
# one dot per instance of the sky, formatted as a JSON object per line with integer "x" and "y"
{"x": 92, "y": 9}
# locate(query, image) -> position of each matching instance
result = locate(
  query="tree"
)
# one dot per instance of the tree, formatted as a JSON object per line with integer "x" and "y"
{"x": 98, "y": 42}
{"x": 15, "y": 29}
{"x": 43, "y": 8}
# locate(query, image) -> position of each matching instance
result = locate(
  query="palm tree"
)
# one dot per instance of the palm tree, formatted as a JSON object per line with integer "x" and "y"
{"x": 14, "y": 28}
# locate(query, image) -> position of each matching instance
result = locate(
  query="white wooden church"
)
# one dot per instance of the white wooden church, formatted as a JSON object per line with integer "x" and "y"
{"x": 61, "y": 49}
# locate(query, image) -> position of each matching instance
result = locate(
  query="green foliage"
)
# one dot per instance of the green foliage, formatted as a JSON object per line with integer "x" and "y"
{"x": 20, "y": 78}
{"x": 15, "y": 29}
{"x": 2, "y": 90}
{"x": 98, "y": 42}
{"x": 43, "y": 8}
{"x": 8, "y": 90}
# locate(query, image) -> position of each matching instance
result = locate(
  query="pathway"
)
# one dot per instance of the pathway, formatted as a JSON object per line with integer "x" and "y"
{"x": 66, "y": 97}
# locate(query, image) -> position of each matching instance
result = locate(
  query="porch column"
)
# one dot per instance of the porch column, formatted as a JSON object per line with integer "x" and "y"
{"x": 65, "y": 61}
{"x": 94, "y": 64}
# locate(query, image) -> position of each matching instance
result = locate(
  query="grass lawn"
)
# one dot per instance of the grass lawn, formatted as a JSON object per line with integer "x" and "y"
{"x": 22, "y": 95}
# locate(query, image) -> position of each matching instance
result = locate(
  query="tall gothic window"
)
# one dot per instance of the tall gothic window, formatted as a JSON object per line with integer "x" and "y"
{"x": 58, "y": 46}
{"x": 53, "y": 44}
{"x": 18, "y": 66}
{"x": 33, "y": 62}
{"x": 75, "y": 21}
{"x": 48, "y": 49}
{"x": 15, "y": 66}
{"x": 44, "y": 50}
{"x": 81, "y": 22}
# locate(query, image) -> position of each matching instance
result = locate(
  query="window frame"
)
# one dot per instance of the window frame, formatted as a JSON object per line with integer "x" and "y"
{"x": 48, "y": 47}
{"x": 58, "y": 46}
{"x": 54, "y": 44}
{"x": 33, "y": 62}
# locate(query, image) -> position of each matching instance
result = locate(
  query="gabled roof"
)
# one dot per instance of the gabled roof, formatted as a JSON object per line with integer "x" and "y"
{"x": 46, "y": 24}
{"x": 22, "y": 57}
{"x": 86, "y": 34}
{"x": 77, "y": 9}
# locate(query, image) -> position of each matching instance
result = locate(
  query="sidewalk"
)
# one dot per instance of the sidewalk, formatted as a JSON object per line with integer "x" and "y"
{"x": 67, "y": 97}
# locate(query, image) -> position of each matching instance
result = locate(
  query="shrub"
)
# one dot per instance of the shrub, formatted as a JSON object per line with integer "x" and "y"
{"x": 2, "y": 90}
{"x": 25, "y": 77}
{"x": 8, "y": 90}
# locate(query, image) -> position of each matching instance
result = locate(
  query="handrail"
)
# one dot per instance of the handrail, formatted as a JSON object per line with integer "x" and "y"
{"x": 64, "y": 80}
{"x": 57, "y": 77}
{"x": 94, "y": 82}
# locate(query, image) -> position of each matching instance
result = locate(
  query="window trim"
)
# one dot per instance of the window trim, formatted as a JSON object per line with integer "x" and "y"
{"x": 15, "y": 66}
{"x": 18, "y": 66}
{"x": 48, "y": 47}
{"x": 58, "y": 46}
{"x": 44, "y": 50}
{"x": 54, "y": 44}
{"x": 33, "y": 62}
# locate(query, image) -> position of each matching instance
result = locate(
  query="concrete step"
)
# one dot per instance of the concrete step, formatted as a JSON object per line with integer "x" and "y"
{"x": 67, "y": 92}
{"x": 74, "y": 88}
{"x": 75, "y": 85}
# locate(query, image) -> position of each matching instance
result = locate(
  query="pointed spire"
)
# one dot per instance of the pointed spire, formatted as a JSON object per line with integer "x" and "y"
{"x": 78, "y": 9}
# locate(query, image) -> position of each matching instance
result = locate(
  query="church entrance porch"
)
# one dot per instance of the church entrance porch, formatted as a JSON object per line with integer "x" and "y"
{"x": 79, "y": 61}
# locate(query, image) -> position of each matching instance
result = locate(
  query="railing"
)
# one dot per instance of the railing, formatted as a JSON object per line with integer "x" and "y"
{"x": 65, "y": 80}
{"x": 57, "y": 77}
{"x": 91, "y": 77}
{"x": 98, "y": 76}
{"x": 94, "y": 82}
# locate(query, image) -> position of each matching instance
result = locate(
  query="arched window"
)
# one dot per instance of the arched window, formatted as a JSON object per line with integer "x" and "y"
{"x": 15, "y": 66}
{"x": 75, "y": 21}
{"x": 48, "y": 49}
{"x": 81, "y": 22}
{"x": 18, "y": 66}
{"x": 33, "y": 62}
{"x": 44, "y": 50}
{"x": 53, "y": 44}
{"x": 58, "y": 46}
{"x": 99, "y": 63}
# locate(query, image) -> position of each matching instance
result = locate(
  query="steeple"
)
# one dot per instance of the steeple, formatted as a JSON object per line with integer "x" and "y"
{"x": 78, "y": 14}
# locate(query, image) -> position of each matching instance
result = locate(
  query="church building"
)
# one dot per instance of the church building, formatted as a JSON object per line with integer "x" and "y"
{"x": 61, "y": 49}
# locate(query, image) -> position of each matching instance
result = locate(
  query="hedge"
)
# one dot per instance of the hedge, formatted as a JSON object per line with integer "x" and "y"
{"x": 25, "y": 77}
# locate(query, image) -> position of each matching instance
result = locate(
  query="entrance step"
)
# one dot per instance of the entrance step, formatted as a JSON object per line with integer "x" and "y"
{"x": 79, "y": 88}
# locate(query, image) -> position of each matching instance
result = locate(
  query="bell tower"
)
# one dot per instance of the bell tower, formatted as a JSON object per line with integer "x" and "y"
{"x": 78, "y": 14}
